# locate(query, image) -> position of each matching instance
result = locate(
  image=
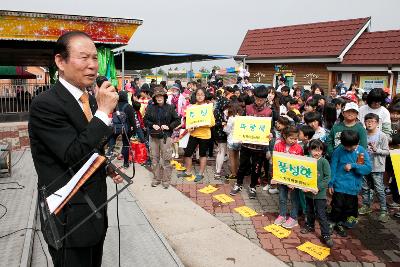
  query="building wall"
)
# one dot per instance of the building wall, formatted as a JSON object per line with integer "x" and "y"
{"x": 304, "y": 74}
{"x": 38, "y": 71}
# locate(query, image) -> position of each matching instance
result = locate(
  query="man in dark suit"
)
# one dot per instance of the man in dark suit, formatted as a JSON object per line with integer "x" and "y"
{"x": 65, "y": 126}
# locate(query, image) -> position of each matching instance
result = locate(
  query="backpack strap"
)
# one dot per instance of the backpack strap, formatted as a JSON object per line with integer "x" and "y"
{"x": 123, "y": 107}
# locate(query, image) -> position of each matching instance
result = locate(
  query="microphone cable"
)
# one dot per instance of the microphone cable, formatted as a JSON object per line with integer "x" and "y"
{"x": 130, "y": 152}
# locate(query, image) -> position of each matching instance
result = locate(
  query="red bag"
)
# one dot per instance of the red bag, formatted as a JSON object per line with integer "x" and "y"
{"x": 140, "y": 153}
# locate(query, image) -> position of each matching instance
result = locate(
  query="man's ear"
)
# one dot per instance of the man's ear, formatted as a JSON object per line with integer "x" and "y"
{"x": 59, "y": 62}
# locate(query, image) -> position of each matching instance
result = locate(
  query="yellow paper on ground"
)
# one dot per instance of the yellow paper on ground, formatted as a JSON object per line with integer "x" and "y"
{"x": 199, "y": 115}
{"x": 277, "y": 231}
{"x": 208, "y": 189}
{"x": 245, "y": 211}
{"x": 224, "y": 198}
{"x": 315, "y": 251}
{"x": 298, "y": 171}
{"x": 179, "y": 167}
{"x": 395, "y": 156}
{"x": 191, "y": 178}
{"x": 252, "y": 130}
{"x": 173, "y": 162}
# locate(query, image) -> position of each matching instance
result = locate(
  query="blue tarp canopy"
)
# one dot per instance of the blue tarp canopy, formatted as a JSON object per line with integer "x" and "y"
{"x": 138, "y": 60}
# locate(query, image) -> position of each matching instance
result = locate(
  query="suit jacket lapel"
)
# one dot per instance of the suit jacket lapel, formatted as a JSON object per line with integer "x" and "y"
{"x": 74, "y": 111}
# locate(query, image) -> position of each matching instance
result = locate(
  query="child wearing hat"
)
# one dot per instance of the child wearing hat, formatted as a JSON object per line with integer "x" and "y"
{"x": 350, "y": 122}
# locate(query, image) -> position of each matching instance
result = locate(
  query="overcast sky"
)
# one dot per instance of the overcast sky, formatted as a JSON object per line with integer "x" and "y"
{"x": 212, "y": 26}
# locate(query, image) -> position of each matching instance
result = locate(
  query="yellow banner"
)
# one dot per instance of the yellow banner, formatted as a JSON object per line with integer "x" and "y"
{"x": 298, "y": 171}
{"x": 245, "y": 211}
{"x": 252, "y": 130}
{"x": 277, "y": 231}
{"x": 224, "y": 198}
{"x": 395, "y": 156}
{"x": 315, "y": 251}
{"x": 208, "y": 189}
{"x": 199, "y": 115}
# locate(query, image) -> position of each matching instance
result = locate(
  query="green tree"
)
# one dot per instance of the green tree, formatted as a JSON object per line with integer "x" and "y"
{"x": 145, "y": 72}
{"x": 161, "y": 72}
{"x": 216, "y": 68}
{"x": 203, "y": 70}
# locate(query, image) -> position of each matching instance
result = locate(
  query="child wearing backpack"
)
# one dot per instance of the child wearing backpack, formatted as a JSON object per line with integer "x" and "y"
{"x": 123, "y": 124}
{"x": 350, "y": 162}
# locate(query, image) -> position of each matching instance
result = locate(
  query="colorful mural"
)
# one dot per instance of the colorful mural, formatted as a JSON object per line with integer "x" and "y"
{"x": 48, "y": 27}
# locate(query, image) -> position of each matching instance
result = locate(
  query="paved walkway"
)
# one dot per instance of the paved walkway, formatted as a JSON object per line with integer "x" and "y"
{"x": 371, "y": 242}
{"x": 141, "y": 243}
{"x": 204, "y": 232}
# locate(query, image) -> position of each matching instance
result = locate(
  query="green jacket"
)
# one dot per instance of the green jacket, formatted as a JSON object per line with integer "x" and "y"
{"x": 333, "y": 139}
{"x": 324, "y": 175}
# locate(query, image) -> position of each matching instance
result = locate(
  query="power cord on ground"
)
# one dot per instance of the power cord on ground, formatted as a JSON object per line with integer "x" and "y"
{"x": 20, "y": 157}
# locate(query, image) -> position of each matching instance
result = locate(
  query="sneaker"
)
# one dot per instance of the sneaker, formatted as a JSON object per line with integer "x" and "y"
{"x": 290, "y": 223}
{"x": 394, "y": 205}
{"x": 273, "y": 191}
{"x": 280, "y": 220}
{"x": 396, "y": 215}
{"x": 364, "y": 210}
{"x": 184, "y": 175}
{"x": 236, "y": 189}
{"x": 331, "y": 226}
{"x": 340, "y": 230}
{"x": 154, "y": 183}
{"x": 266, "y": 188}
{"x": 126, "y": 165}
{"x": 252, "y": 193}
{"x": 388, "y": 191}
{"x": 165, "y": 185}
{"x": 328, "y": 241}
{"x": 230, "y": 177}
{"x": 383, "y": 217}
{"x": 351, "y": 222}
{"x": 198, "y": 178}
{"x": 217, "y": 176}
{"x": 307, "y": 229}
{"x": 176, "y": 156}
{"x": 173, "y": 155}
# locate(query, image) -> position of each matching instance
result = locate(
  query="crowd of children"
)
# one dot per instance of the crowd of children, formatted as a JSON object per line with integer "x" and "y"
{"x": 349, "y": 136}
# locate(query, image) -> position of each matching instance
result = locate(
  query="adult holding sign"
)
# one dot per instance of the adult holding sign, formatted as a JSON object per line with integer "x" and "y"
{"x": 253, "y": 154}
{"x": 199, "y": 120}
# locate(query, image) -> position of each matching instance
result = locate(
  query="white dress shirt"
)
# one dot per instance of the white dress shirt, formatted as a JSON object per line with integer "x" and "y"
{"x": 77, "y": 93}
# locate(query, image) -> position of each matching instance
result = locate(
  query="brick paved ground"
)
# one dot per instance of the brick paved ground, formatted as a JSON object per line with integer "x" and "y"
{"x": 16, "y": 135}
{"x": 370, "y": 244}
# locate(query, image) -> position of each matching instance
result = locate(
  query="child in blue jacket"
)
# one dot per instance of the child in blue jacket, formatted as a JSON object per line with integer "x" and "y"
{"x": 350, "y": 162}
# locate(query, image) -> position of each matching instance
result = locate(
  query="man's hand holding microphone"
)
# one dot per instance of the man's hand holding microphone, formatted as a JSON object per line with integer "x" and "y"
{"x": 107, "y": 99}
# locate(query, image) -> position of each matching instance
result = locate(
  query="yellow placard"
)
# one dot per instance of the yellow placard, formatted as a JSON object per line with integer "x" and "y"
{"x": 298, "y": 171}
{"x": 208, "y": 189}
{"x": 191, "y": 178}
{"x": 315, "y": 251}
{"x": 199, "y": 115}
{"x": 252, "y": 130}
{"x": 395, "y": 156}
{"x": 224, "y": 198}
{"x": 277, "y": 231}
{"x": 245, "y": 211}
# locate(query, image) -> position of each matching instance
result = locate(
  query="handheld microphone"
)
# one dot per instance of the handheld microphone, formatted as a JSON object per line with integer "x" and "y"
{"x": 100, "y": 80}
